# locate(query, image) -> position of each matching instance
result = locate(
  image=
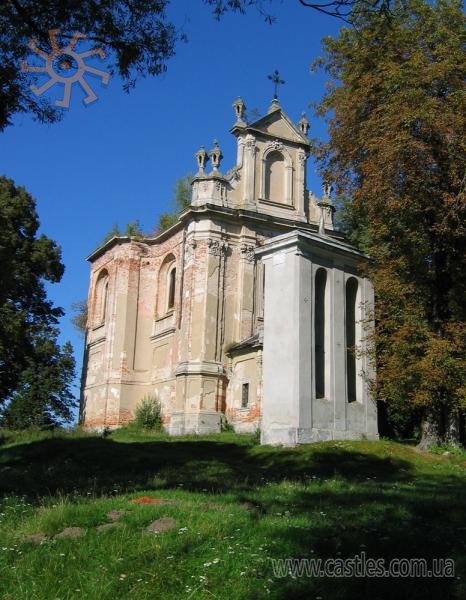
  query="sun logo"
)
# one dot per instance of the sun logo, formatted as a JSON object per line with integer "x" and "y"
{"x": 65, "y": 66}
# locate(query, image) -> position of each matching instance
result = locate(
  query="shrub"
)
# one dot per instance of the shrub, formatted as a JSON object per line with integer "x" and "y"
{"x": 148, "y": 414}
{"x": 225, "y": 425}
{"x": 256, "y": 440}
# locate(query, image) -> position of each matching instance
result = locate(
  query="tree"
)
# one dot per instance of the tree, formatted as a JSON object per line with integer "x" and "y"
{"x": 342, "y": 9}
{"x": 180, "y": 200}
{"x": 396, "y": 112}
{"x": 132, "y": 229}
{"x": 28, "y": 320}
{"x": 43, "y": 397}
{"x": 26, "y": 261}
{"x": 136, "y": 35}
{"x": 79, "y": 319}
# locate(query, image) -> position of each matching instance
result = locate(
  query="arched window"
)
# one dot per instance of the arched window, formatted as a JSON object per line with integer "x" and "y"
{"x": 171, "y": 288}
{"x": 166, "y": 286}
{"x": 321, "y": 324}
{"x": 101, "y": 297}
{"x": 351, "y": 342}
{"x": 274, "y": 177}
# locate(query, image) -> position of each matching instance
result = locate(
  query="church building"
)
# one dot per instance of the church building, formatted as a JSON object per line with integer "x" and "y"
{"x": 251, "y": 310}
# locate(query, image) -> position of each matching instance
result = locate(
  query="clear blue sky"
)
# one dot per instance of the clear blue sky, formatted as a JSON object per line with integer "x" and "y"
{"x": 117, "y": 159}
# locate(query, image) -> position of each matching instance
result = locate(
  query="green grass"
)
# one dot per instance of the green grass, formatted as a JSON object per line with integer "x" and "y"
{"x": 237, "y": 505}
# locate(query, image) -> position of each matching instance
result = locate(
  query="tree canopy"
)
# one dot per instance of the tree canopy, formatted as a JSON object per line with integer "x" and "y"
{"x": 180, "y": 200}
{"x": 28, "y": 320}
{"x": 396, "y": 112}
{"x": 137, "y": 37}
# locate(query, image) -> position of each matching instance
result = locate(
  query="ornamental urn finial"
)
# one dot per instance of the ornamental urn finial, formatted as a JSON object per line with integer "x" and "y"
{"x": 303, "y": 124}
{"x": 202, "y": 157}
{"x": 215, "y": 156}
{"x": 239, "y": 107}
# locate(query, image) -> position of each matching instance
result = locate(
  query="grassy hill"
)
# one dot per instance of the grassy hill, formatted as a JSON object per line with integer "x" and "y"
{"x": 235, "y": 505}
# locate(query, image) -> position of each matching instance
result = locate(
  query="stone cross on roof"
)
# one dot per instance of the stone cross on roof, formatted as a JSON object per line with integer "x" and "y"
{"x": 275, "y": 78}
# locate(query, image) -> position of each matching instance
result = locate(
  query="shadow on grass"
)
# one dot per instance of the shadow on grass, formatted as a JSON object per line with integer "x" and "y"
{"x": 350, "y": 502}
{"x": 101, "y": 466}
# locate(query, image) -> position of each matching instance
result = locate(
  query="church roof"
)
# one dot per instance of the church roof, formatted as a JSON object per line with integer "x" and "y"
{"x": 308, "y": 238}
{"x": 277, "y": 124}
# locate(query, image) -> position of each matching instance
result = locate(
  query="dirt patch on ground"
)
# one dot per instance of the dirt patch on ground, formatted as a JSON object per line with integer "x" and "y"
{"x": 71, "y": 532}
{"x": 35, "y": 538}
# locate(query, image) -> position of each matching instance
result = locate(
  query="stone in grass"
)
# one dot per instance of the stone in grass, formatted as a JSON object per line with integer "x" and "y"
{"x": 107, "y": 526}
{"x": 70, "y": 532}
{"x": 114, "y": 515}
{"x": 161, "y": 525}
{"x": 35, "y": 538}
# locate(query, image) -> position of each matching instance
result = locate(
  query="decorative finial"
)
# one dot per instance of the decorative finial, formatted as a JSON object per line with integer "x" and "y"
{"x": 215, "y": 156}
{"x": 275, "y": 78}
{"x": 303, "y": 123}
{"x": 202, "y": 157}
{"x": 239, "y": 108}
{"x": 327, "y": 189}
{"x": 326, "y": 208}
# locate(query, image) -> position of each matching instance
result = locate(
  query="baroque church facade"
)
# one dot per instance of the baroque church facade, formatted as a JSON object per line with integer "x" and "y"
{"x": 250, "y": 310}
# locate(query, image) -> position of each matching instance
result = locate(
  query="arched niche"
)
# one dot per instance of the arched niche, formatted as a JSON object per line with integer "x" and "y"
{"x": 353, "y": 339}
{"x": 101, "y": 298}
{"x": 321, "y": 333}
{"x": 166, "y": 286}
{"x": 277, "y": 175}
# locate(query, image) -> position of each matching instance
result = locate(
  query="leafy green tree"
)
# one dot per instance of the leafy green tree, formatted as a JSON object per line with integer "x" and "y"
{"x": 136, "y": 35}
{"x": 79, "y": 318}
{"x": 27, "y": 260}
{"x": 114, "y": 232}
{"x": 43, "y": 396}
{"x": 35, "y": 373}
{"x": 397, "y": 110}
{"x": 132, "y": 229}
{"x": 180, "y": 200}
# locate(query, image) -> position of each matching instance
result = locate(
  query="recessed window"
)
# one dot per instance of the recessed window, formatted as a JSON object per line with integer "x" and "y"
{"x": 351, "y": 296}
{"x": 245, "y": 395}
{"x": 171, "y": 288}
{"x": 320, "y": 327}
{"x": 274, "y": 177}
{"x": 101, "y": 297}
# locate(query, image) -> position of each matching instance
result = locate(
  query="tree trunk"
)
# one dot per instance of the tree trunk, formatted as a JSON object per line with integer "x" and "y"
{"x": 452, "y": 428}
{"x": 431, "y": 432}
{"x": 440, "y": 427}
